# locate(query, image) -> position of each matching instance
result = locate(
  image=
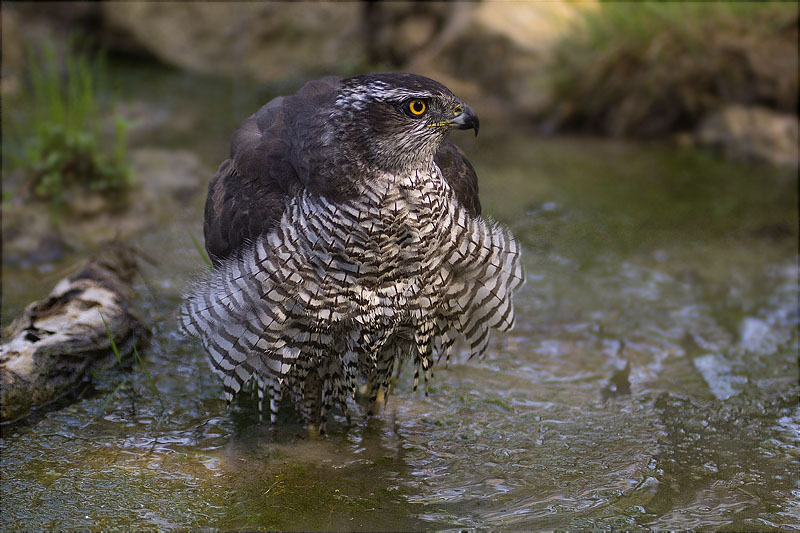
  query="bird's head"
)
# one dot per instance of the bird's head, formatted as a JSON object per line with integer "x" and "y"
{"x": 397, "y": 121}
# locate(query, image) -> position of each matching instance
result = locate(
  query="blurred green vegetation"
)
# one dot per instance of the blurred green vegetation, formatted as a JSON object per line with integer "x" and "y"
{"x": 62, "y": 142}
{"x": 648, "y": 68}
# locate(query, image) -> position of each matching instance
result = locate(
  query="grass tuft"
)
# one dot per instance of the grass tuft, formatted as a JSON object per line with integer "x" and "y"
{"x": 64, "y": 147}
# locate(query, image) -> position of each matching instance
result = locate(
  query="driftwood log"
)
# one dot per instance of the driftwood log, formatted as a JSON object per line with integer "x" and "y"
{"x": 48, "y": 350}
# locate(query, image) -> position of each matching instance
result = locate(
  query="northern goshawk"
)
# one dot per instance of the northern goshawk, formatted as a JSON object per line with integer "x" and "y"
{"x": 345, "y": 234}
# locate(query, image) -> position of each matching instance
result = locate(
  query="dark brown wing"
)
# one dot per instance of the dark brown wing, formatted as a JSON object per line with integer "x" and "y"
{"x": 247, "y": 195}
{"x": 459, "y": 175}
{"x": 237, "y": 211}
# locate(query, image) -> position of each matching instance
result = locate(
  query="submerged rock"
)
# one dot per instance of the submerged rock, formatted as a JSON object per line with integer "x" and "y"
{"x": 48, "y": 350}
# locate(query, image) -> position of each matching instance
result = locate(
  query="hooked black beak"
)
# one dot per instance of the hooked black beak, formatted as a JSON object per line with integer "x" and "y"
{"x": 465, "y": 118}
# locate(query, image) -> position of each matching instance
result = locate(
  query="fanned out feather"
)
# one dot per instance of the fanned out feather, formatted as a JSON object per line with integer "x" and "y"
{"x": 327, "y": 297}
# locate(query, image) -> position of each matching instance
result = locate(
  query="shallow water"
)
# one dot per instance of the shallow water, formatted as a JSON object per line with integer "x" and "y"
{"x": 669, "y": 261}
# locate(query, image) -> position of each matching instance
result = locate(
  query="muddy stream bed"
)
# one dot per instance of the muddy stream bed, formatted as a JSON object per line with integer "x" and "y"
{"x": 651, "y": 381}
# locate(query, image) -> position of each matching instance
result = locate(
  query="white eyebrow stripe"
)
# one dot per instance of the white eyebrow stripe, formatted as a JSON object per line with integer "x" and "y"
{"x": 382, "y": 91}
{"x": 400, "y": 94}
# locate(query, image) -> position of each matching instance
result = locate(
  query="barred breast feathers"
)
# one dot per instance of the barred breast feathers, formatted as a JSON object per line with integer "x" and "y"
{"x": 339, "y": 290}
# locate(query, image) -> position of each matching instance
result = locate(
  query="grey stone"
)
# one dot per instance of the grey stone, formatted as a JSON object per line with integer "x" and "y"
{"x": 753, "y": 134}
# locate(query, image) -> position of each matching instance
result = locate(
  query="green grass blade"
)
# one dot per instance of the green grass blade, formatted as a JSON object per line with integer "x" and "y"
{"x": 110, "y": 396}
{"x": 111, "y": 338}
{"x": 200, "y": 250}
{"x": 148, "y": 376}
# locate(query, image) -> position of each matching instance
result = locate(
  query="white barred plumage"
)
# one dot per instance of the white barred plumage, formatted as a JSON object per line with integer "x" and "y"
{"x": 338, "y": 290}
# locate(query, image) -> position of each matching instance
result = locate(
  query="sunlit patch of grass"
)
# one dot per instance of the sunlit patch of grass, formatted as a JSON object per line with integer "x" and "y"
{"x": 63, "y": 145}
{"x": 647, "y": 68}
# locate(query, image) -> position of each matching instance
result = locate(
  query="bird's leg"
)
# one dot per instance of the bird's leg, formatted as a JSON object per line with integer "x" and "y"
{"x": 426, "y": 371}
{"x": 380, "y": 376}
{"x": 260, "y": 390}
{"x": 374, "y": 390}
{"x": 348, "y": 386}
{"x": 274, "y": 401}
{"x": 376, "y": 396}
{"x": 326, "y": 402}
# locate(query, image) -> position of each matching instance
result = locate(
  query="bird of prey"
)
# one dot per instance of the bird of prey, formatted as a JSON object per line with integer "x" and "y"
{"x": 346, "y": 235}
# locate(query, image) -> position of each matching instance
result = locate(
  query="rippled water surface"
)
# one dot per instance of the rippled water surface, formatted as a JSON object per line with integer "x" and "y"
{"x": 651, "y": 381}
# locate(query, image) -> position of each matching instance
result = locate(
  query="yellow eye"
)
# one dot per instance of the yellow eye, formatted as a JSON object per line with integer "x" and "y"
{"x": 417, "y": 107}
